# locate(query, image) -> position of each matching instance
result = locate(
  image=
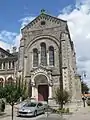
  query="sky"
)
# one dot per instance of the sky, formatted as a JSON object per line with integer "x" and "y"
{"x": 15, "y": 14}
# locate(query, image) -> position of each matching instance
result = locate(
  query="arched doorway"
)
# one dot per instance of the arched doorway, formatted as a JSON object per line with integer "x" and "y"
{"x": 42, "y": 92}
{"x": 42, "y": 87}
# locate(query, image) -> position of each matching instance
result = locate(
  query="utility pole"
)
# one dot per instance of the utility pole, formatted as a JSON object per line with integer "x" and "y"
{"x": 60, "y": 69}
{"x": 83, "y": 92}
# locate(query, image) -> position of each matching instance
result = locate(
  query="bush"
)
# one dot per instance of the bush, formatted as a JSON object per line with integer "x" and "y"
{"x": 61, "y": 110}
{"x": 62, "y": 97}
{"x": 67, "y": 110}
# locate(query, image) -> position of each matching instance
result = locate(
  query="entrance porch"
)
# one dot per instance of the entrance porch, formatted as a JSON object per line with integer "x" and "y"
{"x": 41, "y": 88}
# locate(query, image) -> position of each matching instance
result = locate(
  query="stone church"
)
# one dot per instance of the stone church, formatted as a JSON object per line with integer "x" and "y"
{"x": 45, "y": 48}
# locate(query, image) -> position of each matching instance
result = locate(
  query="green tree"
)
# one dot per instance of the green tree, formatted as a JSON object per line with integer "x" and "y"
{"x": 2, "y": 103}
{"x": 2, "y": 92}
{"x": 62, "y": 96}
{"x": 12, "y": 94}
{"x": 84, "y": 87}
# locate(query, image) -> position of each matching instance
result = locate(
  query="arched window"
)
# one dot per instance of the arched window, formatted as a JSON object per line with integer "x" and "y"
{"x": 10, "y": 81}
{"x": 35, "y": 57}
{"x": 1, "y": 82}
{"x": 43, "y": 54}
{"x": 51, "y": 55}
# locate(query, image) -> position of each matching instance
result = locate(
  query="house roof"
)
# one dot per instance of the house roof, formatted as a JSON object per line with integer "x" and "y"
{"x": 6, "y": 52}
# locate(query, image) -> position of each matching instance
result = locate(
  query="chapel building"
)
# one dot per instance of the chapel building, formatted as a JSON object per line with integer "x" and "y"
{"x": 45, "y": 47}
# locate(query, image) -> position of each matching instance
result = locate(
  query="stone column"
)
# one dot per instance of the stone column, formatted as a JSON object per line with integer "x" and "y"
{"x": 25, "y": 62}
{"x": 33, "y": 90}
{"x": 2, "y": 65}
{"x": 50, "y": 91}
{"x": 11, "y": 64}
{"x": 39, "y": 58}
{"x": 48, "y": 58}
{"x": 32, "y": 58}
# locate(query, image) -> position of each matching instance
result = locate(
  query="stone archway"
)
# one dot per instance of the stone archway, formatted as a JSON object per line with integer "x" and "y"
{"x": 41, "y": 83}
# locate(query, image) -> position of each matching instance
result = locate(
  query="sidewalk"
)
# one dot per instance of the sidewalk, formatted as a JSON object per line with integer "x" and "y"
{"x": 7, "y": 112}
{"x": 82, "y": 114}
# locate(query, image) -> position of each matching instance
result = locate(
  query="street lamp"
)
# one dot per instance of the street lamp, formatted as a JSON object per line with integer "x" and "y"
{"x": 82, "y": 82}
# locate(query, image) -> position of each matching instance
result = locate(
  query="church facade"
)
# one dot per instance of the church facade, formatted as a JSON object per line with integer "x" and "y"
{"x": 45, "y": 48}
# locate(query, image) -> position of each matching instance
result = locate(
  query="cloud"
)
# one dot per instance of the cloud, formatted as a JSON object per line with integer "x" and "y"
{"x": 79, "y": 26}
{"x": 25, "y": 21}
{"x": 9, "y": 39}
{"x": 84, "y": 58}
{"x": 67, "y": 9}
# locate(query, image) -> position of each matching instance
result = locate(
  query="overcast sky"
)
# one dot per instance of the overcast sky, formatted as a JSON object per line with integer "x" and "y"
{"x": 16, "y": 14}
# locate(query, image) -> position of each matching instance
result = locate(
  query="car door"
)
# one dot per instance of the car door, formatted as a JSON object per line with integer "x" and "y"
{"x": 40, "y": 108}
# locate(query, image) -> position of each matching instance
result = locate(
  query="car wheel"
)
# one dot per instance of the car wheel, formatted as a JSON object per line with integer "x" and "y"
{"x": 35, "y": 113}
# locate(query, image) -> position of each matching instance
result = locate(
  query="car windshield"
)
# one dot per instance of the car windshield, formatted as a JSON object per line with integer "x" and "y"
{"x": 30, "y": 105}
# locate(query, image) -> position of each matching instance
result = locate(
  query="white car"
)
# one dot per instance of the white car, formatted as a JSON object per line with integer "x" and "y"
{"x": 31, "y": 109}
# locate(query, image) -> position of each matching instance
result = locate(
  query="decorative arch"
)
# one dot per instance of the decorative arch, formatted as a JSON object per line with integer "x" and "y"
{"x": 9, "y": 76}
{"x": 1, "y": 82}
{"x": 40, "y": 79}
{"x": 10, "y": 80}
{"x": 43, "y": 54}
{"x": 51, "y": 56}
{"x": 35, "y": 57}
{"x": 53, "y": 38}
{"x": 39, "y": 73}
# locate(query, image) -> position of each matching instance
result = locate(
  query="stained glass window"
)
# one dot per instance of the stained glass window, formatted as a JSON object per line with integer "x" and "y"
{"x": 51, "y": 55}
{"x": 43, "y": 54}
{"x": 35, "y": 57}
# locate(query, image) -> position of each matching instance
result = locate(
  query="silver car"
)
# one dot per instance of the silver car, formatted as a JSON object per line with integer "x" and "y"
{"x": 31, "y": 109}
{"x": 88, "y": 101}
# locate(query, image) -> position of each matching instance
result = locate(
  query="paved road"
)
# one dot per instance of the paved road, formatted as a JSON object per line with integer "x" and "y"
{"x": 82, "y": 114}
{"x": 41, "y": 117}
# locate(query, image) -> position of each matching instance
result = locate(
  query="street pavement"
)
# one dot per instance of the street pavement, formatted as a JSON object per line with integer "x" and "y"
{"x": 45, "y": 116}
{"x": 40, "y": 117}
{"x": 82, "y": 114}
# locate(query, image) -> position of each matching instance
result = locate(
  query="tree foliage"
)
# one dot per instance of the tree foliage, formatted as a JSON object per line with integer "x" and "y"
{"x": 62, "y": 96}
{"x": 12, "y": 93}
{"x": 84, "y": 87}
{"x": 2, "y": 92}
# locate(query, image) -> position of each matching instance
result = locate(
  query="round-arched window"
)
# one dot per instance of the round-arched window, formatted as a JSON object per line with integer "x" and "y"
{"x": 51, "y": 55}
{"x": 43, "y": 54}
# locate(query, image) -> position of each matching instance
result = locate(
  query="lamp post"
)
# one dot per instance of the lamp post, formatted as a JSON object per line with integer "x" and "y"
{"x": 83, "y": 97}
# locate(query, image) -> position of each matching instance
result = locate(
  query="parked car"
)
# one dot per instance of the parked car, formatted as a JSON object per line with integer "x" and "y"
{"x": 88, "y": 101}
{"x": 31, "y": 109}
